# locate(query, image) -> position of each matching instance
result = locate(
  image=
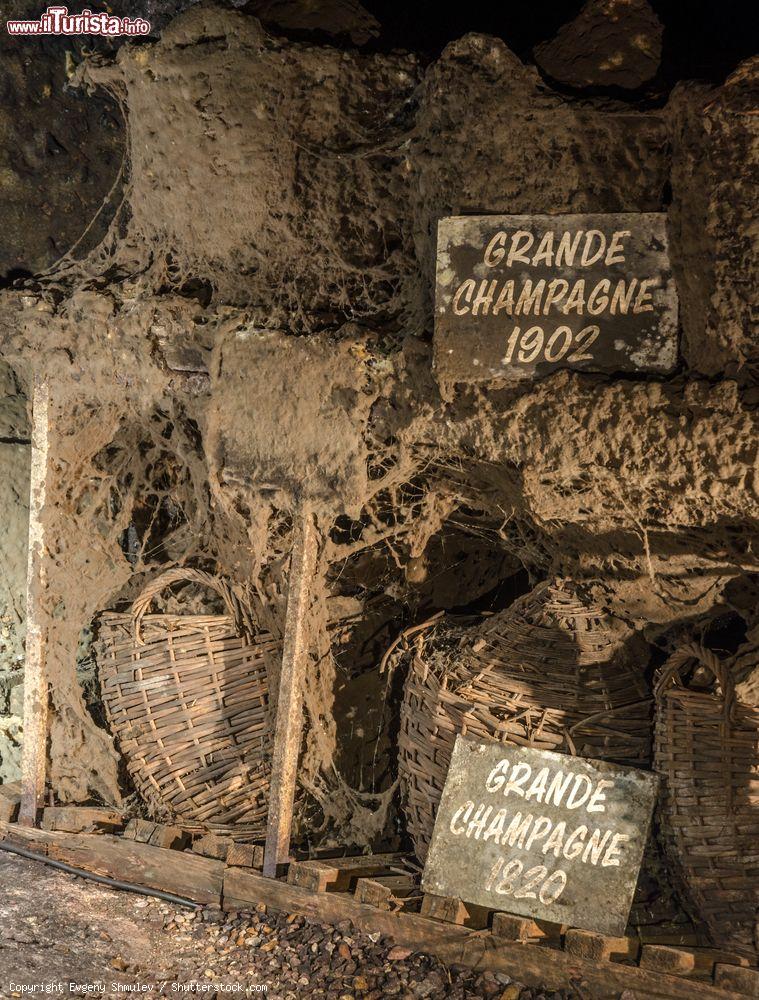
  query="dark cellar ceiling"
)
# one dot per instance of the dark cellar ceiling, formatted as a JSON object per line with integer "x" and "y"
{"x": 703, "y": 39}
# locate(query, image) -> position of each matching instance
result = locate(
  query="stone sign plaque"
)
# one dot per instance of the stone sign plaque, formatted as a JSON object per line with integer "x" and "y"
{"x": 524, "y": 295}
{"x": 541, "y": 834}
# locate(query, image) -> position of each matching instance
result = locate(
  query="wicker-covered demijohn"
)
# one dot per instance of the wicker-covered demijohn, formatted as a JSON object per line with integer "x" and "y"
{"x": 186, "y": 697}
{"x": 707, "y": 750}
{"x": 553, "y": 671}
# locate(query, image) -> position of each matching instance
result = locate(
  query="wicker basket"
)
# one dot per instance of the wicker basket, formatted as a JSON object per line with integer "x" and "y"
{"x": 707, "y": 749}
{"x": 553, "y": 672}
{"x": 186, "y": 697}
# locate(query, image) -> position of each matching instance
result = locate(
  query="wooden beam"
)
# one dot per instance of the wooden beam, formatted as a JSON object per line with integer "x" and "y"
{"x": 535, "y": 965}
{"x": 81, "y": 819}
{"x": 340, "y": 874}
{"x": 288, "y": 732}
{"x": 185, "y": 874}
{"x": 34, "y": 756}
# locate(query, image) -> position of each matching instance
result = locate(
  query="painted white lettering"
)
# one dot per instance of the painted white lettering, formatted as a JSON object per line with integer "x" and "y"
{"x": 574, "y": 843}
{"x": 517, "y": 830}
{"x": 521, "y": 242}
{"x": 573, "y": 802}
{"x": 495, "y": 780}
{"x": 595, "y": 847}
{"x": 598, "y": 299}
{"x": 463, "y": 812}
{"x": 464, "y": 291}
{"x": 611, "y": 857}
{"x": 519, "y": 775}
{"x": 538, "y": 787}
{"x": 591, "y": 256}
{"x": 495, "y": 250}
{"x": 542, "y": 825}
{"x": 598, "y": 797}
{"x": 567, "y": 249}
{"x": 616, "y": 252}
{"x": 644, "y": 301}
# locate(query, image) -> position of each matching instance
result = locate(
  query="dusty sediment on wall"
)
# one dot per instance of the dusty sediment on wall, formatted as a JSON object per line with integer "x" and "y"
{"x": 279, "y": 188}
{"x": 715, "y": 170}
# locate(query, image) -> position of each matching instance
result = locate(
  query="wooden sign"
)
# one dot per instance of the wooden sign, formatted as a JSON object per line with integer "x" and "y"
{"x": 525, "y": 295}
{"x": 541, "y": 834}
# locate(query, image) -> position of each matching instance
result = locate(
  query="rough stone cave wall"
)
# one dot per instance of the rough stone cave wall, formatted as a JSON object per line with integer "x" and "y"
{"x": 255, "y": 328}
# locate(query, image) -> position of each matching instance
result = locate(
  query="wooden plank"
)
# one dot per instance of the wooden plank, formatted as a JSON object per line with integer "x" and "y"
{"x": 454, "y": 911}
{"x": 81, "y": 819}
{"x": 184, "y": 874}
{"x": 340, "y": 874}
{"x": 246, "y": 855}
{"x": 534, "y": 965}
{"x": 34, "y": 754}
{"x": 288, "y": 731}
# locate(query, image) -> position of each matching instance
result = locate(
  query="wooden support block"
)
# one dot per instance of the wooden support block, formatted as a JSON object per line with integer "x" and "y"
{"x": 738, "y": 979}
{"x": 81, "y": 819}
{"x": 10, "y": 800}
{"x": 213, "y": 846}
{"x": 246, "y": 855}
{"x": 340, "y": 874}
{"x": 453, "y": 911}
{"x": 600, "y": 947}
{"x": 515, "y": 928}
{"x": 673, "y": 961}
{"x": 385, "y": 891}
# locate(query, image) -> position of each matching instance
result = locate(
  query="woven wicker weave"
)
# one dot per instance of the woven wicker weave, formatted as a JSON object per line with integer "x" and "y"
{"x": 707, "y": 749}
{"x": 186, "y": 697}
{"x": 552, "y": 671}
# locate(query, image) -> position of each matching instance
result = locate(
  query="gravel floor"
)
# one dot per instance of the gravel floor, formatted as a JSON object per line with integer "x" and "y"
{"x": 77, "y": 938}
